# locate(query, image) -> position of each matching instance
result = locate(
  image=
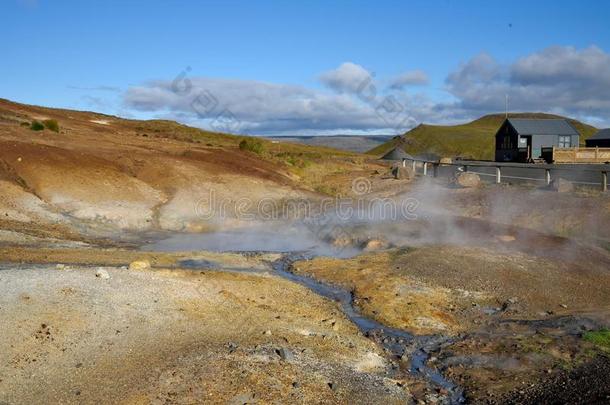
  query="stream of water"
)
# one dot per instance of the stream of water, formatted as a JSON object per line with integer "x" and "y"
{"x": 297, "y": 242}
{"x": 398, "y": 342}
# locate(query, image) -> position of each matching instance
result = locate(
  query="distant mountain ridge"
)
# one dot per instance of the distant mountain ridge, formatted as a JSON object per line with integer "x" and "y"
{"x": 352, "y": 143}
{"x": 474, "y": 139}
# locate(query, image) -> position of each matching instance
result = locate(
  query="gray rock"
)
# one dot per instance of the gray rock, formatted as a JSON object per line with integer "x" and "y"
{"x": 103, "y": 274}
{"x": 467, "y": 180}
{"x": 402, "y": 173}
{"x": 241, "y": 399}
{"x": 285, "y": 354}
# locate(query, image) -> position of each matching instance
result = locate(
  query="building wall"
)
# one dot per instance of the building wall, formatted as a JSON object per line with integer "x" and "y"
{"x": 506, "y": 144}
{"x": 540, "y": 141}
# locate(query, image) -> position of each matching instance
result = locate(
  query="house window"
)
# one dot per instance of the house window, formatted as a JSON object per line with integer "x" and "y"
{"x": 565, "y": 141}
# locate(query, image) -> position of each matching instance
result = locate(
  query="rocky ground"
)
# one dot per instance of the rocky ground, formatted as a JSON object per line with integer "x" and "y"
{"x": 516, "y": 304}
{"x": 502, "y": 292}
{"x": 82, "y": 334}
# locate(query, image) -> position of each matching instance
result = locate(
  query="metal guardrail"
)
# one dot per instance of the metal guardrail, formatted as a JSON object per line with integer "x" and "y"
{"x": 499, "y": 166}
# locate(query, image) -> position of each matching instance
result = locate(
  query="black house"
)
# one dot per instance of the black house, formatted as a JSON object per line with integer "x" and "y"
{"x": 601, "y": 139}
{"x": 522, "y": 140}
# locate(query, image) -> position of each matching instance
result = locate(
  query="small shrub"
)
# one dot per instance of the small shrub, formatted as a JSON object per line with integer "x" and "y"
{"x": 252, "y": 145}
{"x": 325, "y": 189}
{"x": 600, "y": 338}
{"x": 25, "y": 124}
{"x": 51, "y": 125}
{"x": 36, "y": 126}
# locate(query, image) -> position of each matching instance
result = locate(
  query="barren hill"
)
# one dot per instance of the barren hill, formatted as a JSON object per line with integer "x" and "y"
{"x": 66, "y": 167}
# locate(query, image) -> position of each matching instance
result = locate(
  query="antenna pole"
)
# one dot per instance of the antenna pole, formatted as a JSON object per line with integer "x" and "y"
{"x": 506, "y": 104}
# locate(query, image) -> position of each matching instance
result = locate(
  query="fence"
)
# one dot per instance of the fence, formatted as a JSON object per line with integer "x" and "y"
{"x": 581, "y": 155}
{"x": 593, "y": 175}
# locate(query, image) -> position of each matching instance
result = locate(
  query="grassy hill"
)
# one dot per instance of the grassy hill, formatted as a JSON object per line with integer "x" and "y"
{"x": 473, "y": 140}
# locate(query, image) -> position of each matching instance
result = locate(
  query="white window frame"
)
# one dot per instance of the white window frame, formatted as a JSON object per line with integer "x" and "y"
{"x": 563, "y": 143}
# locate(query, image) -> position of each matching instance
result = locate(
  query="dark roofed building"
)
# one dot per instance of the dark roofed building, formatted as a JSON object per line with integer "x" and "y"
{"x": 396, "y": 154}
{"x": 601, "y": 139}
{"x": 522, "y": 140}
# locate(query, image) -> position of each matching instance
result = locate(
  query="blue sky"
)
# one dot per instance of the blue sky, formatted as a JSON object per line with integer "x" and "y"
{"x": 311, "y": 67}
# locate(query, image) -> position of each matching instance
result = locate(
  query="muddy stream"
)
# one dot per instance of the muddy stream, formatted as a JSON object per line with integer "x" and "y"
{"x": 398, "y": 344}
{"x": 408, "y": 353}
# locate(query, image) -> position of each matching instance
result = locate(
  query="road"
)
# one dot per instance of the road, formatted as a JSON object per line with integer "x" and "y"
{"x": 584, "y": 174}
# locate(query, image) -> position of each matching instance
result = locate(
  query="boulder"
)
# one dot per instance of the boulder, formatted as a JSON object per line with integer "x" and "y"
{"x": 285, "y": 354}
{"x": 340, "y": 241}
{"x": 445, "y": 161}
{"x": 139, "y": 265}
{"x": 467, "y": 180}
{"x": 102, "y": 273}
{"x": 402, "y": 173}
{"x": 374, "y": 244}
{"x": 561, "y": 185}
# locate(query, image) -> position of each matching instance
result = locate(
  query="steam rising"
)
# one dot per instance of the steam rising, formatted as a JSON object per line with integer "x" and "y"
{"x": 428, "y": 214}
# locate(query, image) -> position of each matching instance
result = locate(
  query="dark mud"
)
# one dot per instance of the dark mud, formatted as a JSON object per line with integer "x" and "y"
{"x": 587, "y": 384}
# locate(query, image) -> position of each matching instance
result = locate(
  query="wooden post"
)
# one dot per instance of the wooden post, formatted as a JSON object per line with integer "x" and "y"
{"x": 547, "y": 176}
{"x": 498, "y": 175}
{"x": 413, "y": 166}
{"x": 604, "y": 181}
{"x": 425, "y": 168}
{"x": 404, "y": 162}
{"x": 435, "y": 169}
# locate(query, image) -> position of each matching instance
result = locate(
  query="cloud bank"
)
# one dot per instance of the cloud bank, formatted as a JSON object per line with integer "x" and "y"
{"x": 563, "y": 80}
{"x": 410, "y": 78}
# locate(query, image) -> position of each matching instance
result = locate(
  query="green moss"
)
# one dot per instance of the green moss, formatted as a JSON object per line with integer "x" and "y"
{"x": 36, "y": 126}
{"x": 600, "y": 338}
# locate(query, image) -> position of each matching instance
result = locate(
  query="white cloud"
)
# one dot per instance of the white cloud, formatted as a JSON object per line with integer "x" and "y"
{"x": 256, "y": 107}
{"x": 410, "y": 78}
{"x": 347, "y": 78}
{"x": 563, "y": 80}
